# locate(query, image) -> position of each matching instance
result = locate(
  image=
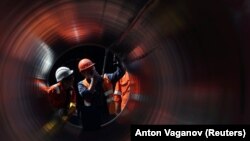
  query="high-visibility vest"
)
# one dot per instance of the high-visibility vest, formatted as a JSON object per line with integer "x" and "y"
{"x": 127, "y": 88}
{"x": 122, "y": 90}
{"x": 135, "y": 93}
{"x": 60, "y": 98}
{"x": 56, "y": 94}
{"x": 108, "y": 92}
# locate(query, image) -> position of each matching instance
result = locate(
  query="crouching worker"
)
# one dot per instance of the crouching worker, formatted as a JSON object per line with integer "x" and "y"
{"x": 62, "y": 95}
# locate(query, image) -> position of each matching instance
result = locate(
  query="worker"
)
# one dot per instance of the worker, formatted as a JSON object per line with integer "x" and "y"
{"x": 96, "y": 92}
{"x": 127, "y": 86}
{"x": 121, "y": 93}
{"x": 62, "y": 95}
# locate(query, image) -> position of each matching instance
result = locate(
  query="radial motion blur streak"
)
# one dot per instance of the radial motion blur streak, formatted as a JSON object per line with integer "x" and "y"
{"x": 191, "y": 58}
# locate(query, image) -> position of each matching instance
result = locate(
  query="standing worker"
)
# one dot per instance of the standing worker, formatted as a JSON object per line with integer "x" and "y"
{"x": 126, "y": 88}
{"x": 96, "y": 92}
{"x": 62, "y": 94}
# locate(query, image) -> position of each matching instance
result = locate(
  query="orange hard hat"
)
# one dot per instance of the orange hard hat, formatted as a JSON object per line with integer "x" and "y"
{"x": 85, "y": 64}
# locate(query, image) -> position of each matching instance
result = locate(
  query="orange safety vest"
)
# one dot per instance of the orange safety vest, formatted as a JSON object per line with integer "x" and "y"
{"x": 126, "y": 88}
{"x": 108, "y": 92}
{"x": 135, "y": 93}
{"x": 58, "y": 96}
{"x": 122, "y": 90}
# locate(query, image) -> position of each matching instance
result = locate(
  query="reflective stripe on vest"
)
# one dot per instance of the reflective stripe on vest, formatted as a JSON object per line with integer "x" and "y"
{"x": 110, "y": 99}
{"x": 108, "y": 92}
{"x": 117, "y": 92}
{"x": 136, "y": 97}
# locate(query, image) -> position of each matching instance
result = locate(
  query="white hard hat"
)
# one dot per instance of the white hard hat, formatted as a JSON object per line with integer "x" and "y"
{"x": 62, "y": 73}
